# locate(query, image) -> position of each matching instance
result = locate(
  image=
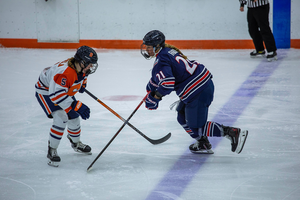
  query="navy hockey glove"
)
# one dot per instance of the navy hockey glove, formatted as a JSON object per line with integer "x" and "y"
{"x": 81, "y": 109}
{"x": 83, "y": 86}
{"x": 72, "y": 114}
{"x": 151, "y": 103}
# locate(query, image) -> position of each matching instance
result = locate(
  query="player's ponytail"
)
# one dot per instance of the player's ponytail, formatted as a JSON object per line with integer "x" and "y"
{"x": 173, "y": 47}
{"x": 71, "y": 63}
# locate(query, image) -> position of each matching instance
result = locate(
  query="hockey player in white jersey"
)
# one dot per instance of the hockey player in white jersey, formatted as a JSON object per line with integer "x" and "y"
{"x": 55, "y": 92}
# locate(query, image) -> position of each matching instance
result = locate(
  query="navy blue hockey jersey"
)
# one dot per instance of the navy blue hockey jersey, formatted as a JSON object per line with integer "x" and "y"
{"x": 172, "y": 72}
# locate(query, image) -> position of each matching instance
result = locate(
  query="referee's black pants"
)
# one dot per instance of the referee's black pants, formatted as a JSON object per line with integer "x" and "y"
{"x": 259, "y": 28}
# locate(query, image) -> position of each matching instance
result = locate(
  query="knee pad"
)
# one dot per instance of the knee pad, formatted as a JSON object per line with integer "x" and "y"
{"x": 60, "y": 118}
{"x": 74, "y": 123}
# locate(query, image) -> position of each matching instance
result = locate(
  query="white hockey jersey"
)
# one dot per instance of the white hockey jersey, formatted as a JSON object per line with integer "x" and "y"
{"x": 60, "y": 82}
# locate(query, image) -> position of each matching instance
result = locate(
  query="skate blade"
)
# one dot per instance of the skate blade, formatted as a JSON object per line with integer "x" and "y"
{"x": 202, "y": 151}
{"x": 242, "y": 140}
{"x": 53, "y": 164}
{"x": 87, "y": 153}
{"x": 258, "y": 56}
{"x": 271, "y": 59}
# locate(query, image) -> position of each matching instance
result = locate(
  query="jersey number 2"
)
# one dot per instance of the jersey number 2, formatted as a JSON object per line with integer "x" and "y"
{"x": 189, "y": 68}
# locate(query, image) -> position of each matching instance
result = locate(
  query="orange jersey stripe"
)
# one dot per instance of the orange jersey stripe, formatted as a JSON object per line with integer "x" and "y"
{"x": 58, "y": 96}
{"x": 68, "y": 109}
{"x": 41, "y": 86}
{"x": 45, "y": 104}
{"x": 196, "y": 83}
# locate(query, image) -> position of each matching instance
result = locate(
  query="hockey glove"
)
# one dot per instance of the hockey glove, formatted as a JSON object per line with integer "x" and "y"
{"x": 81, "y": 109}
{"x": 83, "y": 86}
{"x": 151, "y": 103}
{"x": 72, "y": 114}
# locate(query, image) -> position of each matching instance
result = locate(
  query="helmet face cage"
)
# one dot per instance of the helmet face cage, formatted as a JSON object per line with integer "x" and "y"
{"x": 152, "y": 38}
{"x": 145, "y": 53}
{"x": 92, "y": 69}
{"x": 86, "y": 55}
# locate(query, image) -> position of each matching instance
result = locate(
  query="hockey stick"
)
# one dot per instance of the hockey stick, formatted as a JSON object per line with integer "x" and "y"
{"x": 126, "y": 121}
{"x": 161, "y": 140}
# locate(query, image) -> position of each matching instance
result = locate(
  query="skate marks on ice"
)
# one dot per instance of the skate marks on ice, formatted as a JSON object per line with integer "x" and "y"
{"x": 9, "y": 187}
{"x": 268, "y": 185}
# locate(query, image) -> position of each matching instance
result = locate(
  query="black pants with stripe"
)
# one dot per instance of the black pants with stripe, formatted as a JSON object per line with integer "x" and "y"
{"x": 259, "y": 28}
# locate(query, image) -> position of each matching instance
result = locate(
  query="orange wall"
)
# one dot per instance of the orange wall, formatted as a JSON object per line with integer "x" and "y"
{"x": 135, "y": 44}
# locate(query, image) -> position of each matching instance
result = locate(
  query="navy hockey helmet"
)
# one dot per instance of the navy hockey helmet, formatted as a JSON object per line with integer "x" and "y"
{"x": 153, "y": 38}
{"x": 86, "y": 55}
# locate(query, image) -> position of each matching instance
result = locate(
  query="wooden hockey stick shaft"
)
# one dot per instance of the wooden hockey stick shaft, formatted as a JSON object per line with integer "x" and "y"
{"x": 126, "y": 121}
{"x": 158, "y": 141}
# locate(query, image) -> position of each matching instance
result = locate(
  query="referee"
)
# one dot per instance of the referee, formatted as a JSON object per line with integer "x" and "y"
{"x": 259, "y": 28}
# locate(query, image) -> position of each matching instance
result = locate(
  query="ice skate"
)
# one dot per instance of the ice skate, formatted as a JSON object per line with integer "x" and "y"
{"x": 53, "y": 157}
{"x": 257, "y": 54}
{"x": 237, "y": 138}
{"x": 202, "y": 146}
{"x": 272, "y": 56}
{"x": 80, "y": 147}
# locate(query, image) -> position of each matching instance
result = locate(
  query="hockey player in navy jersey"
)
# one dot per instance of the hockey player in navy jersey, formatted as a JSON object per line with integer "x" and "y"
{"x": 55, "y": 92}
{"x": 192, "y": 81}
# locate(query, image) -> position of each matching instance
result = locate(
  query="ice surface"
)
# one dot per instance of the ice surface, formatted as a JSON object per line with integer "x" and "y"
{"x": 250, "y": 93}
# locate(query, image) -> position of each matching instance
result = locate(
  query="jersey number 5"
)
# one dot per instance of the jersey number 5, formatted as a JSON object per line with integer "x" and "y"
{"x": 190, "y": 67}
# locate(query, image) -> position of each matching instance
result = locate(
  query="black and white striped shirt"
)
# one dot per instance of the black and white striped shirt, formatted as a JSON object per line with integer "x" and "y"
{"x": 252, "y": 4}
